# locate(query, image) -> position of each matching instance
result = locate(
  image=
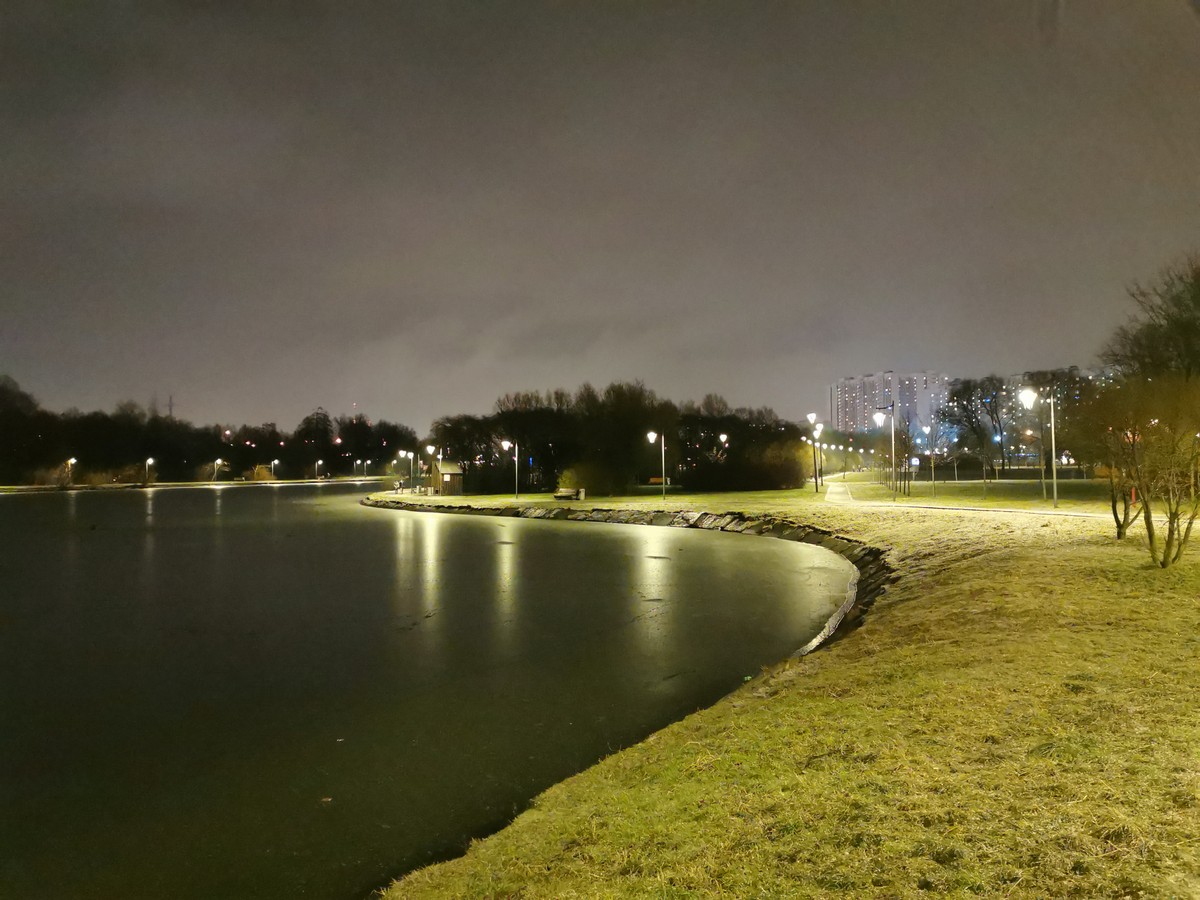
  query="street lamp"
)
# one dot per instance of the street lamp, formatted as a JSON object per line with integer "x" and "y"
{"x": 317, "y": 468}
{"x": 412, "y": 477}
{"x": 1028, "y": 397}
{"x": 652, "y": 437}
{"x": 366, "y": 463}
{"x": 430, "y": 449}
{"x": 217, "y": 467}
{"x": 357, "y": 463}
{"x": 816, "y": 433}
{"x": 274, "y": 463}
{"x": 879, "y": 416}
{"x": 70, "y": 466}
{"x": 149, "y": 463}
{"x": 932, "y": 462}
{"x": 516, "y": 449}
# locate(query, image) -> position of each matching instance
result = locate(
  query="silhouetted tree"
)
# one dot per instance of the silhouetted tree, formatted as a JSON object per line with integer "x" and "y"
{"x": 1164, "y": 336}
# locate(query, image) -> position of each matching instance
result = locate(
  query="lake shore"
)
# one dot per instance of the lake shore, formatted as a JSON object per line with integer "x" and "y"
{"x": 1017, "y": 717}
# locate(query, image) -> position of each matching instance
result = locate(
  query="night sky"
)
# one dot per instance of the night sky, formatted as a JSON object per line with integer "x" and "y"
{"x": 259, "y": 208}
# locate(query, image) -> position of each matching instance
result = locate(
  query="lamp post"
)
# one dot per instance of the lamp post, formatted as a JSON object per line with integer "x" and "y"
{"x": 430, "y": 449}
{"x": 366, "y": 463}
{"x": 357, "y": 463}
{"x": 932, "y": 461}
{"x": 274, "y": 463}
{"x": 652, "y": 437}
{"x": 412, "y": 474}
{"x": 1028, "y": 397}
{"x": 516, "y": 449}
{"x": 879, "y": 417}
{"x": 816, "y": 433}
{"x": 317, "y": 468}
{"x": 217, "y": 467}
{"x": 149, "y": 463}
{"x": 70, "y": 467}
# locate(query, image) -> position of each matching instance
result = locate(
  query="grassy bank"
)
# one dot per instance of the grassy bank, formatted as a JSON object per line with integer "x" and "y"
{"x": 1018, "y": 717}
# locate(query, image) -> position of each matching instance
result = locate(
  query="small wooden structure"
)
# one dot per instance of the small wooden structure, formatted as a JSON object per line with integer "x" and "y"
{"x": 447, "y": 478}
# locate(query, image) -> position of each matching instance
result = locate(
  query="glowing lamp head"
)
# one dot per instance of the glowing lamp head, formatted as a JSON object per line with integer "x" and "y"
{"x": 722, "y": 438}
{"x": 429, "y": 448}
{"x": 1028, "y": 397}
{"x": 812, "y": 418}
{"x": 652, "y": 436}
{"x": 506, "y": 445}
{"x": 150, "y": 460}
{"x": 879, "y": 417}
{"x": 925, "y": 428}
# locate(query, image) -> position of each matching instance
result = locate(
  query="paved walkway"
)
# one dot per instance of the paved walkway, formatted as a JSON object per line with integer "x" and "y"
{"x": 838, "y": 492}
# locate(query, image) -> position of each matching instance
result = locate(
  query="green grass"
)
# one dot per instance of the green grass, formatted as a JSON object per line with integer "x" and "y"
{"x": 1073, "y": 495}
{"x": 1017, "y": 717}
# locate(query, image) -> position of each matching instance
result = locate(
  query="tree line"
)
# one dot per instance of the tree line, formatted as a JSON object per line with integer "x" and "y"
{"x": 134, "y": 445}
{"x": 597, "y": 439}
{"x": 588, "y": 438}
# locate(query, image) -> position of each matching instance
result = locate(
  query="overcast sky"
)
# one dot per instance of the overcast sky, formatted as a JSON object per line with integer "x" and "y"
{"x": 259, "y": 208}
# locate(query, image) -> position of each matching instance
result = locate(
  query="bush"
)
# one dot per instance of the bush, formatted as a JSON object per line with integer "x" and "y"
{"x": 594, "y": 478}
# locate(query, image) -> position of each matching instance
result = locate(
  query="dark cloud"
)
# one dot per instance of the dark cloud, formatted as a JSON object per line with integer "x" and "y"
{"x": 260, "y": 208}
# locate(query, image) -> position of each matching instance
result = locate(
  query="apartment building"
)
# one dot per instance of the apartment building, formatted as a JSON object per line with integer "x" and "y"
{"x": 854, "y": 400}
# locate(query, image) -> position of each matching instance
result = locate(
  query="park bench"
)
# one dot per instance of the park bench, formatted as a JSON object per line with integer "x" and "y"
{"x": 569, "y": 494}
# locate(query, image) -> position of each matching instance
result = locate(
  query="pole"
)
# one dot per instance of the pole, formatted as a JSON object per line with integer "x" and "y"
{"x": 1053, "y": 451}
{"x": 516, "y": 470}
{"x": 893, "y": 452}
{"x": 1042, "y": 455}
{"x": 664, "y": 466}
{"x": 933, "y": 471}
{"x": 816, "y": 485}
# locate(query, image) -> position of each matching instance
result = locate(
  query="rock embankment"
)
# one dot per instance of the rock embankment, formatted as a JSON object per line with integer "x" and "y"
{"x": 873, "y": 572}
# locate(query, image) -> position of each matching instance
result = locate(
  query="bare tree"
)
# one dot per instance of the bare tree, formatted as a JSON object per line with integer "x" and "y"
{"x": 1165, "y": 334}
{"x": 1166, "y": 460}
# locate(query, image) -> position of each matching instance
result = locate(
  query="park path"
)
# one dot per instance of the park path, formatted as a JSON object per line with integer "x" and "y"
{"x": 838, "y": 492}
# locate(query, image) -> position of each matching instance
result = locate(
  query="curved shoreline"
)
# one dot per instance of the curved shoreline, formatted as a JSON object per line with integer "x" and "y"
{"x": 872, "y": 572}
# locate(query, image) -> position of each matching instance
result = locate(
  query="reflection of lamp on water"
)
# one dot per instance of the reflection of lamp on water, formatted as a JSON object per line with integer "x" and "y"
{"x": 1029, "y": 397}
{"x": 516, "y": 449}
{"x": 652, "y": 436}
